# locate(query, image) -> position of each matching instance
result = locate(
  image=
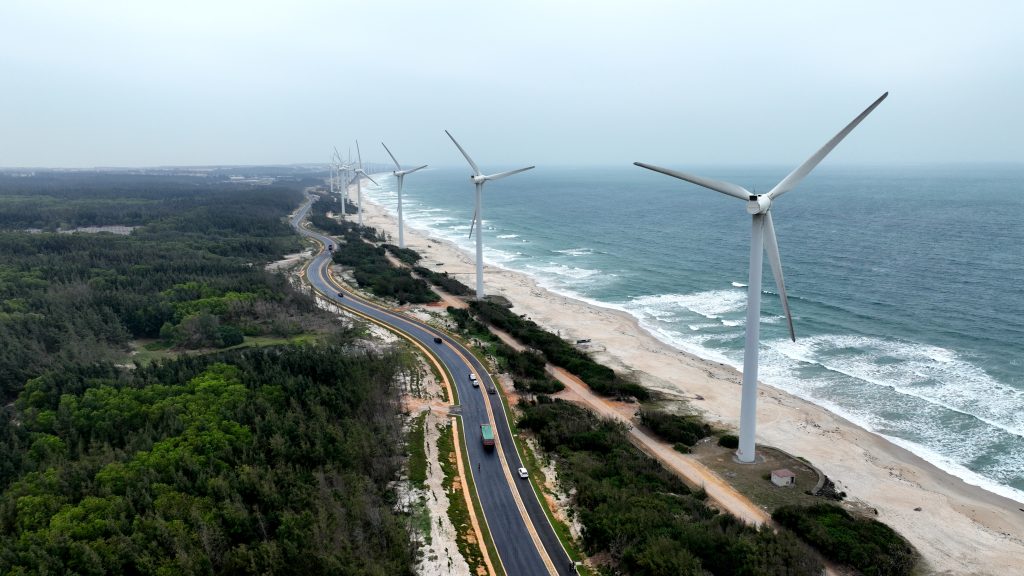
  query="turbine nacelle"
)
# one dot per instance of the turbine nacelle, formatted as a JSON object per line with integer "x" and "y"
{"x": 758, "y": 204}
{"x": 478, "y": 178}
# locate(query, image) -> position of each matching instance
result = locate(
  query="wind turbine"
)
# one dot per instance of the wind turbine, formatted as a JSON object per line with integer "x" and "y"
{"x": 341, "y": 169}
{"x": 359, "y": 182}
{"x": 479, "y": 180}
{"x": 762, "y": 238}
{"x": 400, "y": 174}
{"x": 331, "y": 177}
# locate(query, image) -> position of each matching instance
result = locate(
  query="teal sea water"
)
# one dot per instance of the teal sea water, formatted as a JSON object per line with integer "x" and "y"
{"x": 905, "y": 283}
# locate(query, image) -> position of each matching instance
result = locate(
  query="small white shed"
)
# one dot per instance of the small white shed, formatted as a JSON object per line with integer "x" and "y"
{"x": 783, "y": 477}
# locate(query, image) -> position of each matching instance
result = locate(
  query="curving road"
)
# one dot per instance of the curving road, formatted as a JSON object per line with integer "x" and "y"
{"x": 524, "y": 538}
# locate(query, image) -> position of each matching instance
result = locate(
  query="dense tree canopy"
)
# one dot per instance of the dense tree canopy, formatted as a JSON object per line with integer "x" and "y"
{"x": 191, "y": 273}
{"x": 259, "y": 461}
{"x": 256, "y": 460}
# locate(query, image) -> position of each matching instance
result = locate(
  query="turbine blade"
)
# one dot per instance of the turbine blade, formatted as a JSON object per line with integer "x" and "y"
{"x": 794, "y": 178}
{"x": 472, "y": 224}
{"x": 476, "y": 170}
{"x": 397, "y": 165}
{"x": 771, "y": 246}
{"x": 337, "y": 156}
{"x": 370, "y": 179}
{"x": 726, "y": 188}
{"x": 360, "y": 154}
{"x": 415, "y": 169}
{"x": 501, "y": 175}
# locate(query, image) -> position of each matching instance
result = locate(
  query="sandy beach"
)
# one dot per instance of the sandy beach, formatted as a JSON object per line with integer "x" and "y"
{"x": 957, "y": 527}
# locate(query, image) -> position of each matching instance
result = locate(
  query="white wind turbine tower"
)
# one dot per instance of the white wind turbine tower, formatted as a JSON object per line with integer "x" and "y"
{"x": 331, "y": 177}
{"x": 341, "y": 169}
{"x": 400, "y": 174}
{"x": 359, "y": 182}
{"x": 479, "y": 180}
{"x": 762, "y": 239}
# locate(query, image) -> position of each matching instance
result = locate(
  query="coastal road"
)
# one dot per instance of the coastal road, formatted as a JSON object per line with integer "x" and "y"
{"x": 524, "y": 538}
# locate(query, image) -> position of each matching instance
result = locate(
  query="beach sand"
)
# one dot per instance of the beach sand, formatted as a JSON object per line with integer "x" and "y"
{"x": 959, "y": 529}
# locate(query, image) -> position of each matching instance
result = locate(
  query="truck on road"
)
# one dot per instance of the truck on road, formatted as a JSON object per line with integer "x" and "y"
{"x": 487, "y": 436}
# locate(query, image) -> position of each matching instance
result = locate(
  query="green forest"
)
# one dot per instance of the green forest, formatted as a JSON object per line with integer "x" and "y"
{"x": 218, "y": 459}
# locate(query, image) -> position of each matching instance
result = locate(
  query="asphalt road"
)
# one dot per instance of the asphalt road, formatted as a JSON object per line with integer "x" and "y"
{"x": 509, "y": 531}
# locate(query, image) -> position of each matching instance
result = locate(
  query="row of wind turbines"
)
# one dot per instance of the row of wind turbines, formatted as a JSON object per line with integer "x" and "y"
{"x": 762, "y": 240}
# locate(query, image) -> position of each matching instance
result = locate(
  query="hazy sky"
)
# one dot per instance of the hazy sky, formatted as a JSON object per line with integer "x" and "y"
{"x": 682, "y": 83}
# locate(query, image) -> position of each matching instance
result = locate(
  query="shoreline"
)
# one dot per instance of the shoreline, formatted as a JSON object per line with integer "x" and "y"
{"x": 957, "y": 527}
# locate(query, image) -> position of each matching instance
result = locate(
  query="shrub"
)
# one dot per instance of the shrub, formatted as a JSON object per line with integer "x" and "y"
{"x": 685, "y": 429}
{"x": 538, "y": 385}
{"x": 443, "y": 280}
{"x": 407, "y": 255}
{"x": 729, "y": 441}
{"x": 865, "y": 544}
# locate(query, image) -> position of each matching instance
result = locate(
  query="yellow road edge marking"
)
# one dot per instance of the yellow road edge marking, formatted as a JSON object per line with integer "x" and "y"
{"x": 458, "y": 452}
{"x": 511, "y": 481}
{"x": 469, "y": 501}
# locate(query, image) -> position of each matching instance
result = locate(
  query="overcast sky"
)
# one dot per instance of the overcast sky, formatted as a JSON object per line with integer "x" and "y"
{"x": 550, "y": 82}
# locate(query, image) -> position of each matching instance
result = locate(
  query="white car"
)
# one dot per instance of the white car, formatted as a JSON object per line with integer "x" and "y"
{"x": 523, "y": 473}
{"x": 473, "y": 380}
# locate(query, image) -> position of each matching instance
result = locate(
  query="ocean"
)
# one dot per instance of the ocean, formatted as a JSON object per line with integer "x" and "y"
{"x": 904, "y": 283}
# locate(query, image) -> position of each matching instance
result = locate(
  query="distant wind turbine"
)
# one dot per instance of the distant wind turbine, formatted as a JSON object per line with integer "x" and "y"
{"x": 359, "y": 182}
{"x": 342, "y": 169}
{"x": 479, "y": 180}
{"x": 331, "y": 177}
{"x": 762, "y": 239}
{"x": 400, "y": 174}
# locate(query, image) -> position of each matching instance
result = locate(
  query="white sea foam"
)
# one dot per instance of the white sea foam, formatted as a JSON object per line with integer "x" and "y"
{"x": 575, "y": 251}
{"x": 565, "y": 272}
{"x": 507, "y": 236}
{"x": 710, "y": 304}
{"x": 739, "y": 285}
{"x": 929, "y": 373}
{"x": 956, "y": 448}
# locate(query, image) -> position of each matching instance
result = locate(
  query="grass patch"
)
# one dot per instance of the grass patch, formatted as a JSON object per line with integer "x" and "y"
{"x": 145, "y": 352}
{"x": 865, "y": 544}
{"x": 465, "y": 537}
{"x": 753, "y": 480}
{"x": 418, "y": 452}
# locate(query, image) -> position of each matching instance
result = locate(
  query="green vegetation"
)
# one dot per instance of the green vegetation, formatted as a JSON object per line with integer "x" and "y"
{"x": 600, "y": 378}
{"x": 644, "y": 517}
{"x": 457, "y": 510}
{"x": 191, "y": 274}
{"x": 729, "y": 441}
{"x": 527, "y": 370}
{"x": 417, "y": 452}
{"x": 526, "y": 367}
{"x": 248, "y": 460}
{"x": 245, "y": 462}
{"x": 865, "y": 544}
{"x": 405, "y": 255}
{"x": 685, "y": 429}
{"x": 443, "y": 281}
{"x": 368, "y": 261}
